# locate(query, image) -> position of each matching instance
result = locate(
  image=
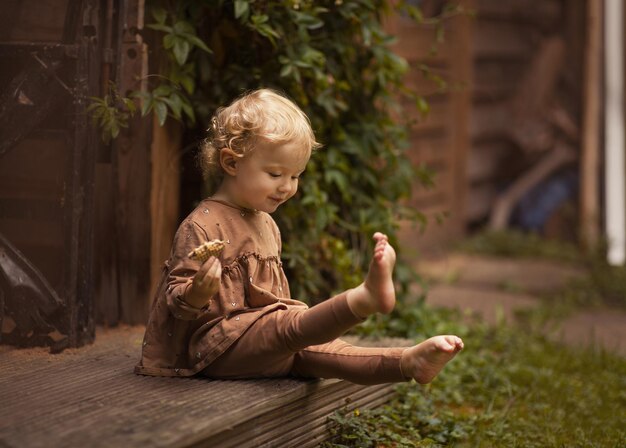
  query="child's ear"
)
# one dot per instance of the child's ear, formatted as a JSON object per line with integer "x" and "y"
{"x": 228, "y": 160}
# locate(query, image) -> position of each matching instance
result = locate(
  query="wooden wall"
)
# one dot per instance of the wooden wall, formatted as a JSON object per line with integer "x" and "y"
{"x": 48, "y": 69}
{"x": 91, "y": 222}
{"x": 439, "y": 140}
{"x": 466, "y": 139}
{"x": 507, "y": 35}
{"x": 138, "y": 183}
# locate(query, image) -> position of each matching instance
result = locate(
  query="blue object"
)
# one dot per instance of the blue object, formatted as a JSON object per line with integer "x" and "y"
{"x": 535, "y": 208}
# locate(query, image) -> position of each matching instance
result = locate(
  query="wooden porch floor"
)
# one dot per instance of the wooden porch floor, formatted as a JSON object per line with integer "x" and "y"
{"x": 91, "y": 397}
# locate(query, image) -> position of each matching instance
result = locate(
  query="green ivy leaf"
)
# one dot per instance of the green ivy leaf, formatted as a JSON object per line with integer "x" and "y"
{"x": 130, "y": 105}
{"x": 162, "y": 90}
{"x": 159, "y": 14}
{"x": 174, "y": 101}
{"x": 197, "y": 42}
{"x": 188, "y": 83}
{"x": 146, "y": 105}
{"x": 181, "y": 50}
{"x": 306, "y": 20}
{"x": 286, "y": 70}
{"x": 168, "y": 41}
{"x": 260, "y": 25}
{"x": 160, "y": 108}
{"x": 415, "y": 13}
{"x": 422, "y": 105}
{"x": 242, "y": 9}
{"x": 182, "y": 27}
{"x": 160, "y": 27}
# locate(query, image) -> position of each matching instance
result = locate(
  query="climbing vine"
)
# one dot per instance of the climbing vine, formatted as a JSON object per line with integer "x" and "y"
{"x": 333, "y": 58}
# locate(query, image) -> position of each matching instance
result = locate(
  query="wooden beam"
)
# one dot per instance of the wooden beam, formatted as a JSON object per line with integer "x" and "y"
{"x": 462, "y": 67}
{"x": 132, "y": 160}
{"x": 615, "y": 213}
{"x": 590, "y": 157}
{"x": 165, "y": 193}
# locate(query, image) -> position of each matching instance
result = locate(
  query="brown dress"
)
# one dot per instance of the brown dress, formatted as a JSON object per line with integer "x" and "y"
{"x": 181, "y": 340}
{"x": 251, "y": 328}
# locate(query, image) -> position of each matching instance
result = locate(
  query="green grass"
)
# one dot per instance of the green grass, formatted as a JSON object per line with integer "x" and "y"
{"x": 509, "y": 388}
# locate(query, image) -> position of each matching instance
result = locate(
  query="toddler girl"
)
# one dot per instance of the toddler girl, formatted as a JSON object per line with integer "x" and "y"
{"x": 232, "y": 316}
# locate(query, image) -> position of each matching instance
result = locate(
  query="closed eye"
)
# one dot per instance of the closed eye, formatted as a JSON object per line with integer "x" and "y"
{"x": 275, "y": 175}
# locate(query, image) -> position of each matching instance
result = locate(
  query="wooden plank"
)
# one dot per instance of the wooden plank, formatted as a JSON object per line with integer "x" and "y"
{"x": 79, "y": 291}
{"x": 460, "y": 106}
{"x": 436, "y": 237}
{"x": 418, "y": 43}
{"x": 502, "y": 41}
{"x": 489, "y": 121}
{"x": 430, "y": 149}
{"x": 165, "y": 193}
{"x": 32, "y": 232}
{"x": 479, "y": 201}
{"x": 496, "y": 80}
{"x": 425, "y": 83}
{"x": 132, "y": 167}
{"x": 132, "y": 172}
{"x": 91, "y": 397}
{"x": 574, "y": 66}
{"x": 438, "y": 117}
{"x": 106, "y": 286}
{"x": 439, "y": 140}
{"x": 24, "y": 176}
{"x": 301, "y": 420}
{"x": 32, "y": 20}
{"x": 537, "y": 87}
{"x": 484, "y": 161}
{"x": 544, "y": 12}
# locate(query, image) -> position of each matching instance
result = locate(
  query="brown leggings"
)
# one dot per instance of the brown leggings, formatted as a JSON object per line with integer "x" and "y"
{"x": 304, "y": 343}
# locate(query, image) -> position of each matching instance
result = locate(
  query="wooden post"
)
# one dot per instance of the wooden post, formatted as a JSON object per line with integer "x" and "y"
{"x": 165, "y": 193}
{"x": 615, "y": 207}
{"x": 462, "y": 67}
{"x": 590, "y": 158}
{"x": 132, "y": 172}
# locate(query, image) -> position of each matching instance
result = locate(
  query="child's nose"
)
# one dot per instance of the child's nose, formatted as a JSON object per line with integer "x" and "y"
{"x": 287, "y": 185}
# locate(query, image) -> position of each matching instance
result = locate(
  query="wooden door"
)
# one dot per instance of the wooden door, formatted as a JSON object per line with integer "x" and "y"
{"x": 48, "y": 60}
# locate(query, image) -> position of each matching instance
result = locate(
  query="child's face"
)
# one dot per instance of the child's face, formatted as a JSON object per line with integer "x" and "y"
{"x": 268, "y": 176}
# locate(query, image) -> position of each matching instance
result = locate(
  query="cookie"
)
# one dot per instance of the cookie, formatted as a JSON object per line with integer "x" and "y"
{"x": 206, "y": 250}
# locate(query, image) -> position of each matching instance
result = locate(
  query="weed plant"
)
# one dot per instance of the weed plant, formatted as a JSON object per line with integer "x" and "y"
{"x": 508, "y": 388}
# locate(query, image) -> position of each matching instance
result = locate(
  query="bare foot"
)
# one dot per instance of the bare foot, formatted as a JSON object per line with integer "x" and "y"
{"x": 377, "y": 293}
{"x": 424, "y": 361}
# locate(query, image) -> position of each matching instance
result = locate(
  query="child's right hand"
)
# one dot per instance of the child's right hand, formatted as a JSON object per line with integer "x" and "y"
{"x": 205, "y": 283}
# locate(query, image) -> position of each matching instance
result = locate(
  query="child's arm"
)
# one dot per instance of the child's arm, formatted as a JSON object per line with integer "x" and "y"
{"x": 205, "y": 283}
{"x": 185, "y": 270}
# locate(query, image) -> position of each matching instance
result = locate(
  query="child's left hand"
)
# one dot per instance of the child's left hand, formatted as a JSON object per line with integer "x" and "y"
{"x": 205, "y": 283}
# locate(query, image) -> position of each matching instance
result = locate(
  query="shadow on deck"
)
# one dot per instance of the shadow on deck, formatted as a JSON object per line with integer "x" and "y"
{"x": 91, "y": 397}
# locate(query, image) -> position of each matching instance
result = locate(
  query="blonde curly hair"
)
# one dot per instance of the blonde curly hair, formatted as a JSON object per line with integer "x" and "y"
{"x": 261, "y": 114}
